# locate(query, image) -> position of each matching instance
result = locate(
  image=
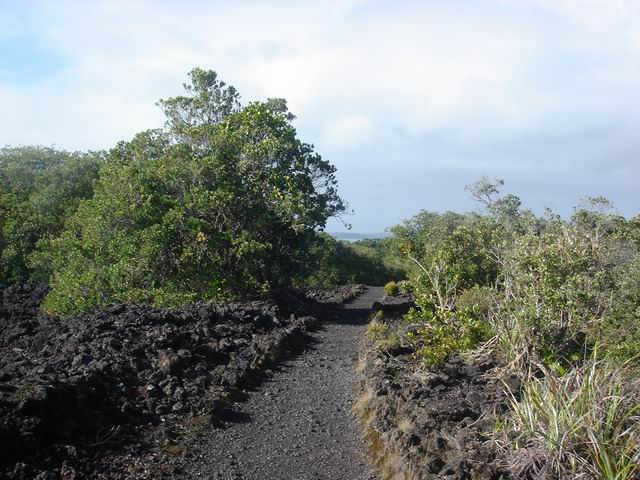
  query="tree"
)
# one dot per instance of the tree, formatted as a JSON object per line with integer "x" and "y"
{"x": 40, "y": 188}
{"x": 484, "y": 190}
{"x": 333, "y": 262}
{"x": 208, "y": 102}
{"x": 224, "y": 201}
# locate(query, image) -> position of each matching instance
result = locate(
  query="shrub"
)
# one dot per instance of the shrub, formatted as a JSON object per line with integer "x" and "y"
{"x": 556, "y": 287}
{"x": 546, "y": 292}
{"x": 391, "y": 289}
{"x": 332, "y": 262}
{"x": 449, "y": 253}
{"x": 479, "y": 300}
{"x": 404, "y": 286}
{"x": 618, "y": 335}
{"x": 436, "y": 337}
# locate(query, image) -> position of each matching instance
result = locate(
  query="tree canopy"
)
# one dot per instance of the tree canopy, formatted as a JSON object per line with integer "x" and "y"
{"x": 224, "y": 200}
{"x": 40, "y": 188}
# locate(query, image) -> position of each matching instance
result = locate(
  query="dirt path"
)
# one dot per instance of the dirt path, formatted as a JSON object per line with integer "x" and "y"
{"x": 298, "y": 424}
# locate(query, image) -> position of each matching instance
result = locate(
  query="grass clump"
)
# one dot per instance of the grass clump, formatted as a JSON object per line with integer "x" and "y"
{"x": 383, "y": 337}
{"x": 391, "y": 289}
{"x": 583, "y": 424}
{"x": 376, "y": 329}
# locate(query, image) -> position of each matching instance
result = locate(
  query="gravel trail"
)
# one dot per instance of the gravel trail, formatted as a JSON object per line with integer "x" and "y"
{"x": 298, "y": 424}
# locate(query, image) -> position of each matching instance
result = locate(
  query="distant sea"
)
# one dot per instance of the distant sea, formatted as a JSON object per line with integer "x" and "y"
{"x": 354, "y": 237}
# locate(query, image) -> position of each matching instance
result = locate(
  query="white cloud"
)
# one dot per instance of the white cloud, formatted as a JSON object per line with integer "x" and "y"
{"x": 348, "y": 131}
{"x": 614, "y": 21}
{"x": 412, "y": 67}
{"x": 459, "y": 85}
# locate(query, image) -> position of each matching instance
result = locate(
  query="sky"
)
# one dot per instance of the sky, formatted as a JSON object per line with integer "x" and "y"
{"x": 410, "y": 100}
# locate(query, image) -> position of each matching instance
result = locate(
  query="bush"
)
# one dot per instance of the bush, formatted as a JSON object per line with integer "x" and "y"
{"x": 405, "y": 287}
{"x": 391, "y": 289}
{"x": 618, "y": 335}
{"x": 548, "y": 293}
{"x": 449, "y": 253}
{"x": 440, "y": 335}
{"x": 477, "y": 300}
{"x": 557, "y": 287}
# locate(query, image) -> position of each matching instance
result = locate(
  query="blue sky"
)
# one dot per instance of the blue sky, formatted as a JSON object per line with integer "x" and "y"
{"x": 411, "y": 100}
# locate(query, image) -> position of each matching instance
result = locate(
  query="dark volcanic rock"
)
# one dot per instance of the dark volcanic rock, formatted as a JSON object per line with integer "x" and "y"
{"x": 395, "y": 305}
{"x": 335, "y": 296}
{"x": 86, "y": 397}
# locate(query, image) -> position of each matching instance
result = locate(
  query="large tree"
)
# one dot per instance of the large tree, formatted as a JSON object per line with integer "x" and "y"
{"x": 222, "y": 201}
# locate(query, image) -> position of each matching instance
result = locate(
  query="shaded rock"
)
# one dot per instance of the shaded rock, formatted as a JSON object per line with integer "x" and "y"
{"x": 104, "y": 384}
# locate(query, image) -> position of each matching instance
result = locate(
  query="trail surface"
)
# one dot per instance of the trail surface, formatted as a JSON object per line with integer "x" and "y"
{"x": 298, "y": 424}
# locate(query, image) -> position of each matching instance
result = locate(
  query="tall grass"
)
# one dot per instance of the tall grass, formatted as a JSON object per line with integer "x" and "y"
{"x": 584, "y": 424}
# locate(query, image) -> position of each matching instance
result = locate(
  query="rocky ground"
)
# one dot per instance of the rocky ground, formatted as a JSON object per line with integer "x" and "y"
{"x": 237, "y": 391}
{"x": 118, "y": 392}
{"x": 298, "y": 424}
{"x": 427, "y": 423}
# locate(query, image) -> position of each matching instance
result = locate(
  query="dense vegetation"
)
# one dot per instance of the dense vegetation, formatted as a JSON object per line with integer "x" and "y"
{"x": 334, "y": 262}
{"x": 39, "y": 189}
{"x": 225, "y": 201}
{"x": 557, "y": 302}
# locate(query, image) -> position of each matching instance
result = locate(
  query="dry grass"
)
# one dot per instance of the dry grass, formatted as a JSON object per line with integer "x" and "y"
{"x": 363, "y": 403}
{"x": 391, "y": 465}
{"x": 361, "y": 364}
{"x": 376, "y": 329}
{"x": 405, "y": 425}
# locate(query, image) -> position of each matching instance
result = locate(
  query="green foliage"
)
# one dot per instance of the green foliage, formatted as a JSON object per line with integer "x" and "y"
{"x": 478, "y": 300}
{"x": 391, "y": 289}
{"x": 333, "y": 262}
{"x": 547, "y": 292}
{"x": 548, "y": 289}
{"x": 450, "y": 253}
{"x": 570, "y": 287}
{"x": 440, "y": 335}
{"x": 208, "y": 102}
{"x": 405, "y": 287}
{"x": 383, "y": 337}
{"x": 376, "y": 329}
{"x": 385, "y": 251}
{"x": 619, "y": 332}
{"x": 225, "y": 201}
{"x": 555, "y": 289}
{"x": 39, "y": 189}
{"x": 451, "y": 257}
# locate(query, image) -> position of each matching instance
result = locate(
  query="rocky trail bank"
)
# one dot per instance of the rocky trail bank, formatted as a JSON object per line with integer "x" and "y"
{"x": 430, "y": 423}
